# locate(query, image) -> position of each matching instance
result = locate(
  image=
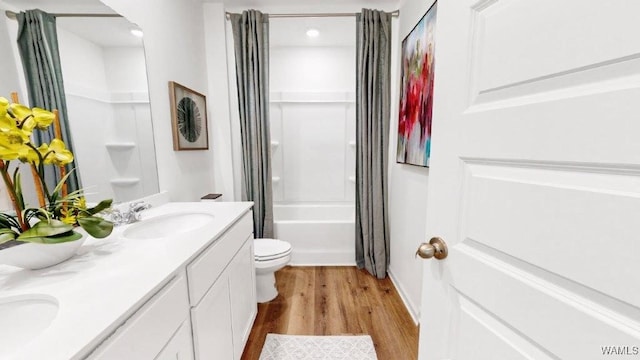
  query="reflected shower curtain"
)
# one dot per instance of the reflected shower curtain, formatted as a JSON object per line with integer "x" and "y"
{"x": 251, "y": 39}
{"x": 372, "y": 140}
{"x": 38, "y": 44}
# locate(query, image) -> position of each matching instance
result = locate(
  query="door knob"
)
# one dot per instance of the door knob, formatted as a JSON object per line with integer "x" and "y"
{"x": 436, "y": 248}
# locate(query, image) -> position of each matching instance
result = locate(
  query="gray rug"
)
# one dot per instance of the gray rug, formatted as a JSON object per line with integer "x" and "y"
{"x": 296, "y": 347}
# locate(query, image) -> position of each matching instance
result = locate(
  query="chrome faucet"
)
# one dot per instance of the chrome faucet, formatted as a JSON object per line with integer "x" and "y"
{"x": 132, "y": 215}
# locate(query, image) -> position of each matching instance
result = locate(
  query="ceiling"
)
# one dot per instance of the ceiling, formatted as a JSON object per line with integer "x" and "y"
{"x": 104, "y": 32}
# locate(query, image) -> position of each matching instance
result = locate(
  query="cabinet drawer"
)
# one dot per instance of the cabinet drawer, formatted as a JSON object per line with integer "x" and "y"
{"x": 145, "y": 333}
{"x": 206, "y": 268}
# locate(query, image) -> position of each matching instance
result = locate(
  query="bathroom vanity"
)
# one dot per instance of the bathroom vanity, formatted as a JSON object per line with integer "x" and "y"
{"x": 180, "y": 284}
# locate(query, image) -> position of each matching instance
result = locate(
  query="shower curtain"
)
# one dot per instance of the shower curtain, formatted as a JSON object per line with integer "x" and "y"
{"x": 372, "y": 140}
{"x": 251, "y": 45}
{"x": 38, "y": 45}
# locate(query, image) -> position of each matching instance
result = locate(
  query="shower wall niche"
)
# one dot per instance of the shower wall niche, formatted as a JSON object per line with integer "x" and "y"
{"x": 313, "y": 119}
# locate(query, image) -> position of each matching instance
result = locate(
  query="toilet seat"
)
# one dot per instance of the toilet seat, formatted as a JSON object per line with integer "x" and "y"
{"x": 270, "y": 249}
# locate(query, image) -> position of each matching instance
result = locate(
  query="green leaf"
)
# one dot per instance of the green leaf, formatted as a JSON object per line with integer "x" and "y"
{"x": 45, "y": 229}
{"x": 96, "y": 226}
{"x": 102, "y": 205}
{"x": 7, "y": 235}
{"x": 18, "y": 189}
{"x": 62, "y": 181}
{"x": 55, "y": 239}
{"x": 8, "y": 221}
{"x": 41, "y": 214}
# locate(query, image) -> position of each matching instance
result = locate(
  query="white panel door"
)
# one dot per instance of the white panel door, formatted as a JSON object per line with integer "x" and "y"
{"x": 535, "y": 181}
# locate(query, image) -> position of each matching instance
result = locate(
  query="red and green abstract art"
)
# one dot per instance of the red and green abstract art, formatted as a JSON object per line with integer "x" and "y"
{"x": 416, "y": 92}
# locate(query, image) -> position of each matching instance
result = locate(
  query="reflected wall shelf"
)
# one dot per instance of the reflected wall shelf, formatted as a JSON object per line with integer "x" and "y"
{"x": 120, "y": 145}
{"x": 125, "y": 181}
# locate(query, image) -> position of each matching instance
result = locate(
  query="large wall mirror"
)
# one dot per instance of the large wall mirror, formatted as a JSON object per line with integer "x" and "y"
{"x": 105, "y": 84}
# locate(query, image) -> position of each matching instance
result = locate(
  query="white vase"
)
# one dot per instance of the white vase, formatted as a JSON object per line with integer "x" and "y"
{"x": 34, "y": 256}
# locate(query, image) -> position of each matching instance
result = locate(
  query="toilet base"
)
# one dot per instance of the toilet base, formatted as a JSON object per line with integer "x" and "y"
{"x": 266, "y": 287}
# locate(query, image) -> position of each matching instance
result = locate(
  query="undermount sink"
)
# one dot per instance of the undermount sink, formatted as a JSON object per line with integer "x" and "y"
{"x": 23, "y": 318}
{"x": 167, "y": 225}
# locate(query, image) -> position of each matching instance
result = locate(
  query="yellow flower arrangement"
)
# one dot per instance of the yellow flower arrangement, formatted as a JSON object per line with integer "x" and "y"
{"x": 55, "y": 220}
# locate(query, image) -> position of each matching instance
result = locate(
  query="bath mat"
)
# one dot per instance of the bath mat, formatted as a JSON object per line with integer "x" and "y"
{"x": 297, "y": 347}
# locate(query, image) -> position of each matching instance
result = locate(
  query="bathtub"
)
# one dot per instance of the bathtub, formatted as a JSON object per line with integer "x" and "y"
{"x": 319, "y": 234}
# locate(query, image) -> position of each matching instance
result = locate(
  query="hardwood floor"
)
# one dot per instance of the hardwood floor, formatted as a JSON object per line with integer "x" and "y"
{"x": 339, "y": 300}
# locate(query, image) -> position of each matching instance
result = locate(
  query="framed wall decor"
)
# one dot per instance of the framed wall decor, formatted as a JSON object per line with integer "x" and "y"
{"x": 188, "y": 118}
{"x": 416, "y": 92}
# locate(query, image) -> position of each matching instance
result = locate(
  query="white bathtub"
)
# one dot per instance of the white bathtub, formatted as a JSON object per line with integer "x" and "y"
{"x": 319, "y": 234}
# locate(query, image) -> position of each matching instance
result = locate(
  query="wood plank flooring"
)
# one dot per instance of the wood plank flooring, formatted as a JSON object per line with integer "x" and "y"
{"x": 336, "y": 300}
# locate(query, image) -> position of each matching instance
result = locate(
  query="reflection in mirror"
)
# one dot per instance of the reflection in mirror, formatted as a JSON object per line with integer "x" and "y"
{"x": 105, "y": 83}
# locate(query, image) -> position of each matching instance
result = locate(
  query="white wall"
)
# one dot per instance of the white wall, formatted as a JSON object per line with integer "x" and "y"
{"x": 219, "y": 92}
{"x": 312, "y": 115}
{"x": 175, "y": 51}
{"x": 407, "y": 184}
{"x": 312, "y": 69}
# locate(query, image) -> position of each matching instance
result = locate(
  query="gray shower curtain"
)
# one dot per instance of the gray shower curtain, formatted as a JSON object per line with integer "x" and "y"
{"x": 251, "y": 39}
{"x": 372, "y": 139}
{"x": 38, "y": 44}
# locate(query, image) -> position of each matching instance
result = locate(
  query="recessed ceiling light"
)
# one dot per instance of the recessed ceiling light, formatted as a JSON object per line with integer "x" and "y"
{"x": 136, "y": 32}
{"x": 313, "y": 33}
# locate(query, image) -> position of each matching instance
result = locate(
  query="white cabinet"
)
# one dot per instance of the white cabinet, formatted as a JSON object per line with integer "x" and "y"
{"x": 212, "y": 334}
{"x": 203, "y": 271}
{"x": 243, "y": 297}
{"x": 222, "y": 318}
{"x": 180, "y": 347}
{"x": 147, "y": 331}
{"x": 205, "y": 314}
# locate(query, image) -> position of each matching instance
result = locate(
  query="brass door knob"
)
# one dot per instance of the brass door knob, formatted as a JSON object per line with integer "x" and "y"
{"x": 436, "y": 248}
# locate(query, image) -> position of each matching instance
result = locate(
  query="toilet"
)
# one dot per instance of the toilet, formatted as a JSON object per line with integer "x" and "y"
{"x": 270, "y": 256}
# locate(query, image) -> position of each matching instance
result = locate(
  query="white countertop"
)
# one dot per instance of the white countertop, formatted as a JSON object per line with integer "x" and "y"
{"x": 109, "y": 280}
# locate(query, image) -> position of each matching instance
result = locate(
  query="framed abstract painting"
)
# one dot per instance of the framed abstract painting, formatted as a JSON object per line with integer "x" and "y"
{"x": 188, "y": 118}
{"x": 416, "y": 92}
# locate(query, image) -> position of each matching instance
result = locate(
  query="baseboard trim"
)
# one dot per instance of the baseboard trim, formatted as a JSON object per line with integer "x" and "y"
{"x": 411, "y": 308}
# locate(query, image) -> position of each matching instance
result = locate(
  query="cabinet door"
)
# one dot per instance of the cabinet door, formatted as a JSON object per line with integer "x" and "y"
{"x": 180, "y": 347}
{"x": 242, "y": 285}
{"x": 212, "y": 336}
{"x": 147, "y": 331}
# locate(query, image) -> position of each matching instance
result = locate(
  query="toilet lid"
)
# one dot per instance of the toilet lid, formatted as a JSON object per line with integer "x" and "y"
{"x": 268, "y": 249}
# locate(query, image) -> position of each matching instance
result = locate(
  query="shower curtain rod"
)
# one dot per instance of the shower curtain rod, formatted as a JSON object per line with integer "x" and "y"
{"x": 12, "y": 15}
{"x": 394, "y": 13}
